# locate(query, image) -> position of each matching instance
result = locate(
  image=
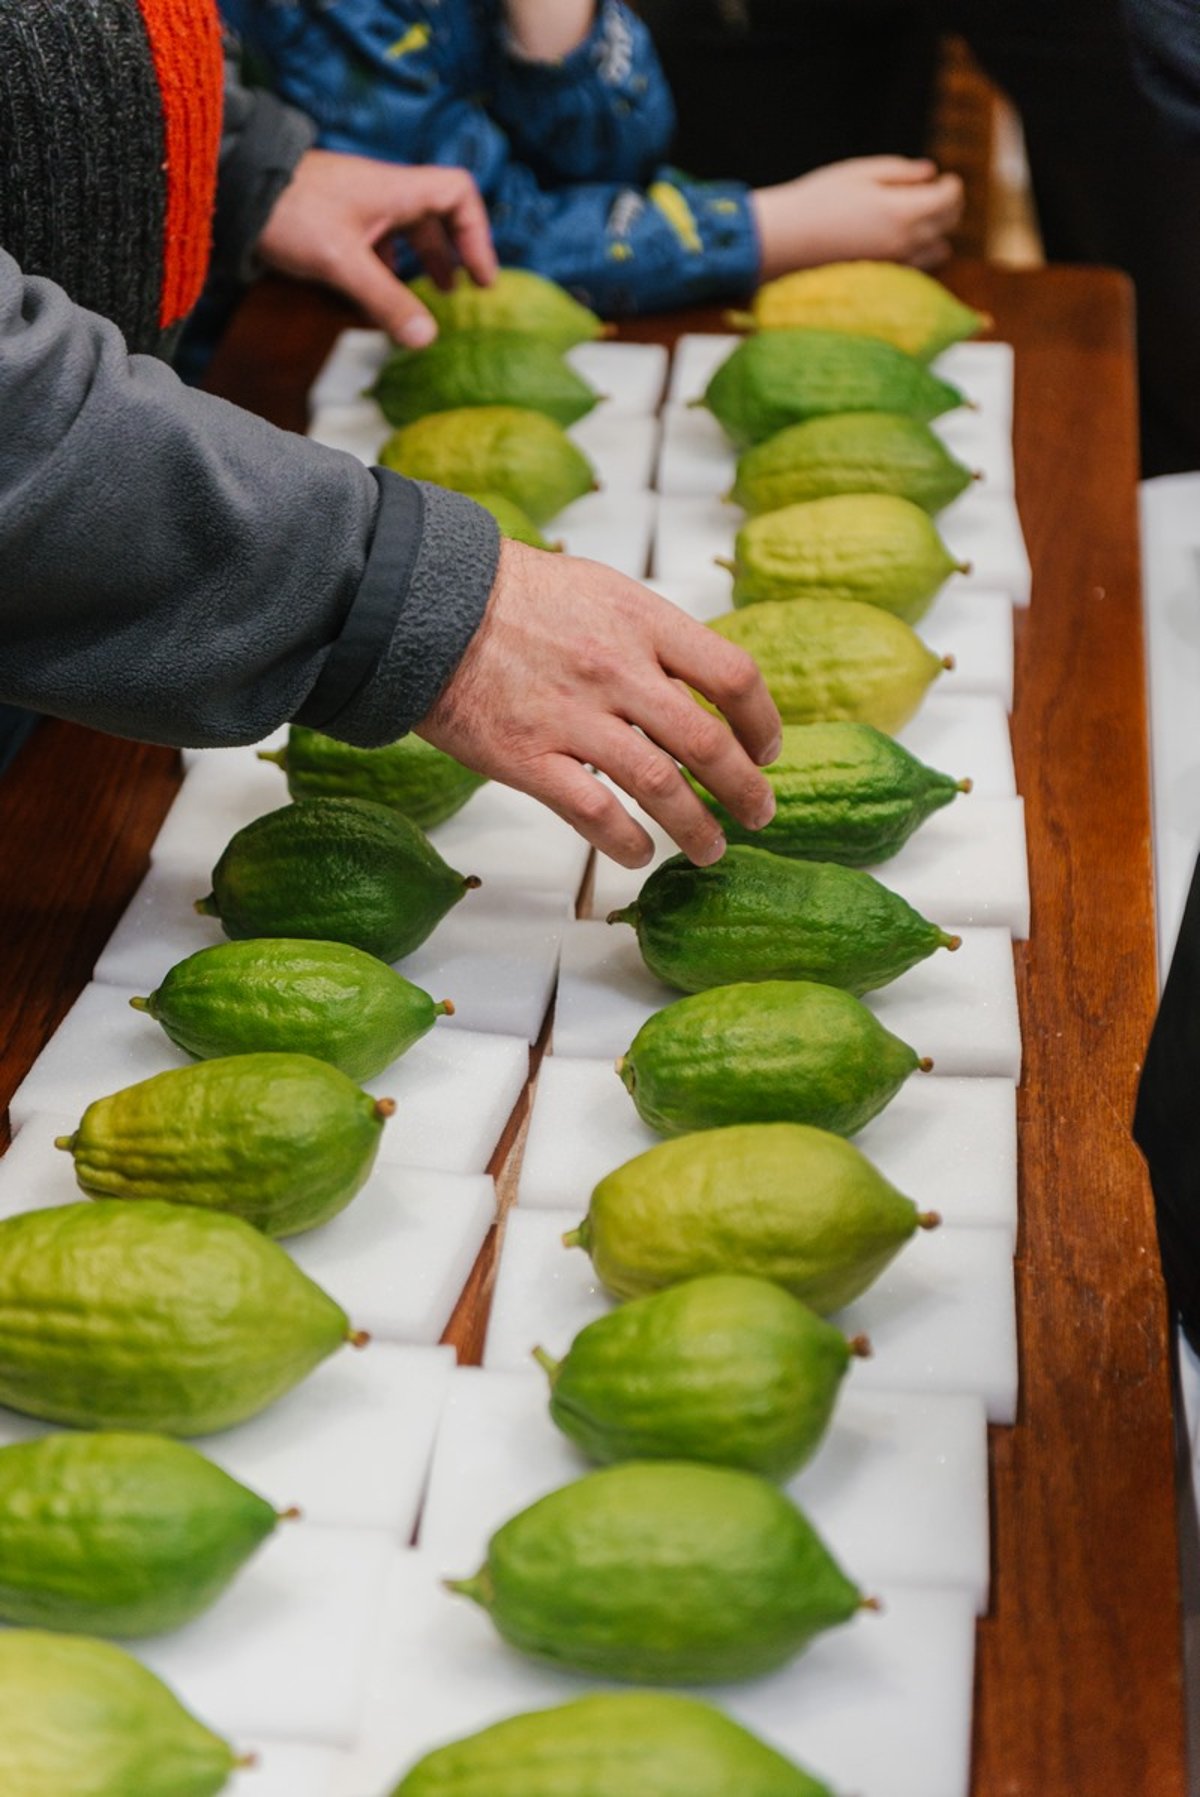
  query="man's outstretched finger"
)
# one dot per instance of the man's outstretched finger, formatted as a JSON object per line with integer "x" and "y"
{"x": 650, "y": 776}
{"x": 708, "y": 748}
{"x": 359, "y": 272}
{"x": 728, "y": 677}
{"x": 453, "y": 195}
{"x": 589, "y": 807}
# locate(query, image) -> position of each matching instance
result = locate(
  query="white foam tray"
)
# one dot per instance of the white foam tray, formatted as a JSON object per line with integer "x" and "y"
{"x": 282, "y": 1769}
{"x": 951, "y": 1144}
{"x": 615, "y": 526}
{"x": 881, "y": 1707}
{"x": 454, "y": 1090}
{"x": 980, "y": 528}
{"x": 898, "y": 1489}
{"x": 396, "y": 1259}
{"x": 630, "y": 376}
{"x": 942, "y": 1318}
{"x": 960, "y": 1009}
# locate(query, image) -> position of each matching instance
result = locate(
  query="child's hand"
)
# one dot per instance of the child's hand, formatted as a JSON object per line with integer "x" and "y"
{"x": 885, "y": 208}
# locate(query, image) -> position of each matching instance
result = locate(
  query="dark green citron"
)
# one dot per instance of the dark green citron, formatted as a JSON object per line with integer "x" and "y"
{"x": 153, "y": 1316}
{"x": 340, "y": 870}
{"x": 312, "y": 998}
{"x": 777, "y": 1051}
{"x": 614, "y": 1744}
{"x": 114, "y": 1534}
{"x": 780, "y": 378}
{"x": 753, "y": 915}
{"x": 727, "y": 1369}
{"x": 283, "y": 1141}
{"x": 779, "y": 1201}
{"x": 80, "y": 1718}
{"x": 482, "y": 368}
{"x": 517, "y": 300}
{"x": 834, "y": 659}
{"x": 514, "y": 523}
{"x": 844, "y": 792}
{"x": 850, "y": 452}
{"x": 510, "y": 450}
{"x": 410, "y": 776}
{"x": 658, "y": 1572}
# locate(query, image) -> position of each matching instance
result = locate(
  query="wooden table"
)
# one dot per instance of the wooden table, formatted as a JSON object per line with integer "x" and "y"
{"x": 1079, "y": 1685}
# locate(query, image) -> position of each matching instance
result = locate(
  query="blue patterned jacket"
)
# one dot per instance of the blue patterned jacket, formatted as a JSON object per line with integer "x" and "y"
{"x": 567, "y": 154}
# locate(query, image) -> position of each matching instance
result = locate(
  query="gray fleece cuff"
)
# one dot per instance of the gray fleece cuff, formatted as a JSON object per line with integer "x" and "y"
{"x": 428, "y": 578}
{"x": 259, "y": 159}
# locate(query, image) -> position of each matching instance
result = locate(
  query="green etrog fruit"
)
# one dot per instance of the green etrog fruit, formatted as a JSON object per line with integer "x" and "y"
{"x": 832, "y": 659}
{"x": 870, "y": 548}
{"x": 340, "y": 870}
{"x": 727, "y": 1370}
{"x": 123, "y": 1535}
{"x": 845, "y": 793}
{"x": 482, "y": 368}
{"x": 522, "y": 455}
{"x": 753, "y": 915}
{"x": 80, "y": 1718}
{"x": 613, "y": 1744}
{"x": 660, "y": 1573}
{"x": 283, "y": 1141}
{"x": 780, "y": 1201}
{"x": 153, "y": 1316}
{"x": 886, "y": 300}
{"x": 778, "y": 1051}
{"x": 517, "y": 300}
{"x": 782, "y": 377}
{"x": 850, "y": 452}
{"x": 515, "y": 524}
{"x": 410, "y": 776}
{"x": 264, "y": 995}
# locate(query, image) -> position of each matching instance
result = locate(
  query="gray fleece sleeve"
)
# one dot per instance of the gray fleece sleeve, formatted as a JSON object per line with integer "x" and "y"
{"x": 262, "y": 140}
{"x": 174, "y": 569}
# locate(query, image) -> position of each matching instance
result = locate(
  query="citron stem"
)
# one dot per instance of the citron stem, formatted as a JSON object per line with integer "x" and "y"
{"x": 741, "y": 321}
{"x": 967, "y": 785}
{"x": 871, "y": 1603}
{"x": 478, "y": 1589}
{"x": 547, "y": 1363}
{"x": 359, "y": 1338}
{"x": 695, "y": 405}
{"x": 978, "y": 474}
{"x": 293, "y": 1513}
{"x": 860, "y": 1347}
{"x": 66, "y": 1142}
{"x": 472, "y": 882}
{"x": 385, "y": 1108}
{"x": 965, "y": 567}
{"x": 245, "y": 1762}
{"x": 925, "y": 1064}
{"x": 723, "y": 561}
{"x": 207, "y": 907}
{"x": 953, "y": 943}
{"x": 446, "y": 1008}
{"x": 949, "y": 663}
{"x": 929, "y": 1219}
{"x": 278, "y": 756}
{"x": 627, "y": 914}
{"x": 580, "y": 1237}
{"x": 139, "y": 1004}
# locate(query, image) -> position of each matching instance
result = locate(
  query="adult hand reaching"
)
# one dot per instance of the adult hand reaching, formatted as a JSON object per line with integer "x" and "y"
{"x": 886, "y": 208}
{"x": 335, "y": 211}
{"x": 569, "y": 658}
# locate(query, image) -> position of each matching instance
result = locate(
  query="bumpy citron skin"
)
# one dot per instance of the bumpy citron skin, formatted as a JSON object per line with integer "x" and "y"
{"x": 410, "y": 776}
{"x": 337, "y": 870}
{"x": 660, "y": 1572}
{"x": 153, "y": 1316}
{"x": 777, "y": 1051}
{"x": 754, "y": 915}
{"x": 725, "y": 1370}
{"x": 850, "y": 452}
{"x": 870, "y": 548}
{"x": 482, "y": 368}
{"x": 117, "y": 1534}
{"x": 835, "y": 659}
{"x": 899, "y": 305}
{"x": 520, "y": 454}
{"x": 843, "y": 792}
{"x": 782, "y": 377}
{"x": 613, "y": 1744}
{"x": 514, "y": 523}
{"x": 517, "y": 300}
{"x": 81, "y": 1718}
{"x": 778, "y": 1201}
{"x": 266, "y": 995}
{"x": 281, "y": 1140}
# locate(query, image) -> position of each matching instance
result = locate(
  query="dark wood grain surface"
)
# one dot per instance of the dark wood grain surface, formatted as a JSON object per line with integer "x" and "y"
{"x": 1079, "y": 1675}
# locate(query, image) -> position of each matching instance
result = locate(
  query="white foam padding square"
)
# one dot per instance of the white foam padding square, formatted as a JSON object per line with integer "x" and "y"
{"x": 984, "y": 372}
{"x": 950, "y": 1144}
{"x": 350, "y": 368}
{"x": 941, "y": 1318}
{"x": 982, "y": 443}
{"x": 897, "y": 1490}
{"x": 454, "y": 1089}
{"x": 958, "y": 1008}
{"x": 615, "y": 526}
{"x": 396, "y": 1259}
{"x": 982, "y": 528}
{"x": 284, "y": 1652}
{"x": 223, "y": 790}
{"x": 282, "y": 1769}
{"x": 880, "y": 1707}
{"x": 698, "y": 355}
{"x": 965, "y": 735}
{"x": 621, "y": 446}
{"x": 355, "y": 426}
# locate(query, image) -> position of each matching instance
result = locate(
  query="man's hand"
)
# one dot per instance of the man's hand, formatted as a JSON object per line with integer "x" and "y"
{"x": 569, "y": 658}
{"x": 336, "y": 209}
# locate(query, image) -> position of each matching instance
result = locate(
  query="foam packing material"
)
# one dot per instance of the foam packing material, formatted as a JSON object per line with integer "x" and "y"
{"x": 942, "y": 1318}
{"x": 284, "y": 1770}
{"x": 454, "y": 1089}
{"x": 898, "y": 1489}
{"x": 951, "y": 1143}
{"x": 880, "y": 1707}
{"x": 615, "y": 526}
